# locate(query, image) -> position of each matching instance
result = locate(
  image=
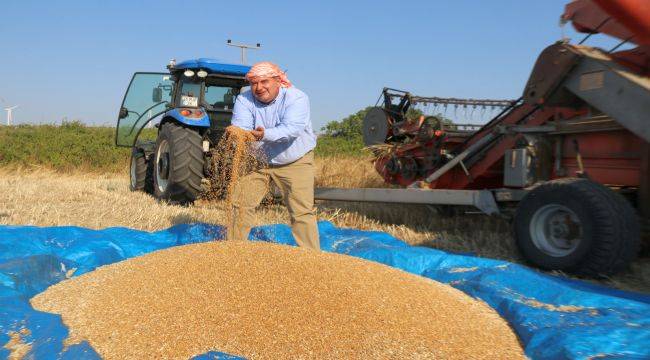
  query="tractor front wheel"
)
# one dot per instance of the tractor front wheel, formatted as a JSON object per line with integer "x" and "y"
{"x": 577, "y": 225}
{"x": 141, "y": 172}
{"x": 178, "y": 164}
{"x": 138, "y": 170}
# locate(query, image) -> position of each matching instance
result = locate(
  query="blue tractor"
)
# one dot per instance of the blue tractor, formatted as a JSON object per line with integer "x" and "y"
{"x": 194, "y": 103}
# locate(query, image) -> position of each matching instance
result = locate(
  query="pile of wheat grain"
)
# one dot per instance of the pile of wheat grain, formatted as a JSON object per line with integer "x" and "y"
{"x": 262, "y": 300}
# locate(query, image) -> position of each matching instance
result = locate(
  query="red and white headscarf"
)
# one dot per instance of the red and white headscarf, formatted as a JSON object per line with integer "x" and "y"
{"x": 267, "y": 69}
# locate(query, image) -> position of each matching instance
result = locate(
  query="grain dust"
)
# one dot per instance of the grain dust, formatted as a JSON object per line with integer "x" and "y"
{"x": 262, "y": 300}
{"x": 463, "y": 269}
{"x": 17, "y": 346}
{"x": 551, "y": 307}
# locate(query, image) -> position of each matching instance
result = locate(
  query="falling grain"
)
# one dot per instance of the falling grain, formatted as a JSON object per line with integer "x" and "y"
{"x": 232, "y": 158}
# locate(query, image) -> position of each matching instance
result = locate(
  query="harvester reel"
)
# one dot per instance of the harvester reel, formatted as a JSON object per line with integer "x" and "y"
{"x": 375, "y": 127}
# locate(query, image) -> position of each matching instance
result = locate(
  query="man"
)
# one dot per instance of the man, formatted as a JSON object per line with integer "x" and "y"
{"x": 277, "y": 115}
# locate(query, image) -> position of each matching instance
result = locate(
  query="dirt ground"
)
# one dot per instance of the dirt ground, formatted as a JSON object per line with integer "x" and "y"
{"x": 46, "y": 198}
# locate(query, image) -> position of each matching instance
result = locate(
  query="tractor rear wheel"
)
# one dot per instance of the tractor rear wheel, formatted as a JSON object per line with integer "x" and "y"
{"x": 577, "y": 225}
{"x": 178, "y": 164}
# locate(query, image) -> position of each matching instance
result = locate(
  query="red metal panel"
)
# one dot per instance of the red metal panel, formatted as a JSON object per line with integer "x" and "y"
{"x": 612, "y": 157}
{"x": 609, "y": 157}
{"x": 633, "y": 14}
{"x": 624, "y": 19}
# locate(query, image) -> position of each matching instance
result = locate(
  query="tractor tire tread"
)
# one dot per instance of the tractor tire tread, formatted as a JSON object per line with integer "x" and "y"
{"x": 186, "y": 170}
{"x": 140, "y": 170}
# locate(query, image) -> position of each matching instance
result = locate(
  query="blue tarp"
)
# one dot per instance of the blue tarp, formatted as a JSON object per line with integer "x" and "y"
{"x": 554, "y": 317}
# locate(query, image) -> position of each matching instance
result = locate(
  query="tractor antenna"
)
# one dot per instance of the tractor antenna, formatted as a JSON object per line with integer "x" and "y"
{"x": 243, "y": 48}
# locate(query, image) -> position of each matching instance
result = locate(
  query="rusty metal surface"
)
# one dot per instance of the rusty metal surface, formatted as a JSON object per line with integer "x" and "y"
{"x": 551, "y": 67}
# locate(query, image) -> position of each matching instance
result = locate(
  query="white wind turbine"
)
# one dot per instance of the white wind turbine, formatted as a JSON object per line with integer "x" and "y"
{"x": 10, "y": 114}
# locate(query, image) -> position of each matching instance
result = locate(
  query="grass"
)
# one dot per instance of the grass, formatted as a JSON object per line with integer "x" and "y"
{"x": 340, "y": 146}
{"x": 75, "y": 146}
{"x": 66, "y": 147}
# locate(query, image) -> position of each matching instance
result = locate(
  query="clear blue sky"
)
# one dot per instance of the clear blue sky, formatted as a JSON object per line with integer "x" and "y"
{"x": 74, "y": 59}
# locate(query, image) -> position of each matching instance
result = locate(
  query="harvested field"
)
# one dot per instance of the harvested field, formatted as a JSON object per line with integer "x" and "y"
{"x": 347, "y": 172}
{"x": 264, "y": 300}
{"x": 42, "y": 197}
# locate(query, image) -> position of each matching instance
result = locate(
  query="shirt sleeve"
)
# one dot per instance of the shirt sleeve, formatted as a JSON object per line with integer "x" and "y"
{"x": 242, "y": 115}
{"x": 294, "y": 120}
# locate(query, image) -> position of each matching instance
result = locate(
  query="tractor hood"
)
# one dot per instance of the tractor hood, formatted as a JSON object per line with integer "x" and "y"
{"x": 212, "y": 66}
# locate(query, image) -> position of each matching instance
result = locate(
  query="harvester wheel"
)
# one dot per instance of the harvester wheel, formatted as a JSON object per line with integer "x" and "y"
{"x": 178, "y": 164}
{"x": 138, "y": 170}
{"x": 577, "y": 225}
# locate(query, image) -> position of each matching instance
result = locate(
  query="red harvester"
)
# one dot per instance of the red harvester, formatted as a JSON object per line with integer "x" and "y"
{"x": 571, "y": 156}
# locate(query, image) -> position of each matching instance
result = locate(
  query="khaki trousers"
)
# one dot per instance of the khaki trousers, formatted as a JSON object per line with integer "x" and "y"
{"x": 296, "y": 181}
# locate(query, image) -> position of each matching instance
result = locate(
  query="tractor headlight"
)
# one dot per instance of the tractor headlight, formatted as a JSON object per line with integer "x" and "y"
{"x": 188, "y": 73}
{"x": 202, "y": 73}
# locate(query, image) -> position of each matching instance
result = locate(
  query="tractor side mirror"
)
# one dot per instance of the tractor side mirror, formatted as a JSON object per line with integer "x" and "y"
{"x": 124, "y": 112}
{"x": 157, "y": 95}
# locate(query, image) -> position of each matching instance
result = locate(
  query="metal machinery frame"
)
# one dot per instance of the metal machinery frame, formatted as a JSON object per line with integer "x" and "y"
{"x": 584, "y": 113}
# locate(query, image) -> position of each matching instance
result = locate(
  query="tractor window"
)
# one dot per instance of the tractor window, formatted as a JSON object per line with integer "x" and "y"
{"x": 220, "y": 97}
{"x": 147, "y": 97}
{"x": 190, "y": 94}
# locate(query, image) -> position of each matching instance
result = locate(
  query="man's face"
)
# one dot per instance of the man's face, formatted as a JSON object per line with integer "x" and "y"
{"x": 265, "y": 89}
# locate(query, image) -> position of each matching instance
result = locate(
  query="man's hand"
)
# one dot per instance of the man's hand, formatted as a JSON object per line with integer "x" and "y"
{"x": 258, "y": 133}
